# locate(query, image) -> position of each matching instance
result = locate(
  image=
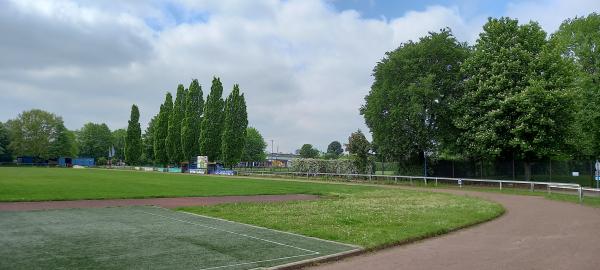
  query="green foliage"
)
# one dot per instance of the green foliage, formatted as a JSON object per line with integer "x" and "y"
{"x": 119, "y": 136}
{"x": 61, "y": 146}
{"x": 308, "y": 151}
{"x": 161, "y": 131}
{"x": 148, "y": 142}
{"x": 334, "y": 150}
{"x": 95, "y": 140}
{"x": 133, "y": 141}
{"x": 5, "y": 153}
{"x": 173, "y": 141}
{"x": 39, "y": 134}
{"x": 408, "y": 107}
{"x": 190, "y": 131}
{"x": 234, "y": 128}
{"x": 254, "y": 146}
{"x": 517, "y": 98}
{"x": 358, "y": 146}
{"x": 578, "y": 40}
{"x": 212, "y": 122}
{"x": 312, "y": 165}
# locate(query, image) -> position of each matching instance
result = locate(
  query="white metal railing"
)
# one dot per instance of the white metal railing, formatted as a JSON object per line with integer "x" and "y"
{"x": 428, "y": 179}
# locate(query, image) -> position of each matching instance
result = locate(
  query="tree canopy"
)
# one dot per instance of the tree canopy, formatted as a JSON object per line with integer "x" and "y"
{"x": 190, "y": 130}
{"x": 95, "y": 140}
{"x": 334, "y": 150}
{"x": 308, "y": 151}
{"x": 133, "y": 140}
{"x": 358, "y": 146}
{"x": 234, "y": 127}
{"x": 161, "y": 131}
{"x": 211, "y": 130}
{"x": 254, "y": 147}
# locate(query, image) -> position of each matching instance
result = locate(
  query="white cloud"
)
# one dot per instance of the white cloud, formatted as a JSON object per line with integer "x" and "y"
{"x": 551, "y": 13}
{"x": 305, "y": 67}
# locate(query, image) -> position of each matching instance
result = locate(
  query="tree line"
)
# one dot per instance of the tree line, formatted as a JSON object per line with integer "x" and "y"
{"x": 516, "y": 94}
{"x": 182, "y": 129}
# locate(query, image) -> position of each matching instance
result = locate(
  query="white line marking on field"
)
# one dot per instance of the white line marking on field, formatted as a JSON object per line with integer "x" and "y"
{"x": 240, "y": 234}
{"x": 264, "y": 228}
{"x": 240, "y": 264}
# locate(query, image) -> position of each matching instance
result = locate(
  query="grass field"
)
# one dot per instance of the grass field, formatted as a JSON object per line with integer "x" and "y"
{"x": 39, "y": 184}
{"x": 371, "y": 217}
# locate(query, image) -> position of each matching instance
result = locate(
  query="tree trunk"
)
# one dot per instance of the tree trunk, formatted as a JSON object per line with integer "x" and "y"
{"x": 527, "y": 168}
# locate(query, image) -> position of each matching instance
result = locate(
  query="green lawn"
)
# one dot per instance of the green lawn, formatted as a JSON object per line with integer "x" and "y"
{"x": 39, "y": 184}
{"x": 371, "y": 219}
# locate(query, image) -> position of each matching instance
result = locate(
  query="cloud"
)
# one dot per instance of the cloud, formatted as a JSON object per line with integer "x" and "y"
{"x": 304, "y": 66}
{"x": 551, "y": 13}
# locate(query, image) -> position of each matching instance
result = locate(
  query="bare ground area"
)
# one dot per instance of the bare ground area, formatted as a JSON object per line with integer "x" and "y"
{"x": 535, "y": 233}
{"x": 163, "y": 202}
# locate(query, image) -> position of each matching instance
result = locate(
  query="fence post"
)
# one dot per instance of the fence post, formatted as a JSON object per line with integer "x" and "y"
{"x": 395, "y": 180}
{"x": 548, "y": 188}
{"x": 500, "y": 185}
{"x": 580, "y": 194}
{"x": 410, "y": 180}
{"x": 436, "y": 180}
{"x": 531, "y": 188}
{"x": 425, "y": 180}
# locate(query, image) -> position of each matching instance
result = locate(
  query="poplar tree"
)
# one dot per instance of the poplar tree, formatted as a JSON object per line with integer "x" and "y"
{"x": 212, "y": 122}
{"x": 234, "y": 127}
{"x": 173, "y": 143}
{"x": 162, "y": 127}
{"x": 133, "y": 141}
{"x": 190, "y": 131}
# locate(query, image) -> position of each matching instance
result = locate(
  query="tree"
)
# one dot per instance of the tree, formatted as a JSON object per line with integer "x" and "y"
{"x": 5, "y": 153}
{"x": 234, "y": 127}
{"x": 173, "y": 142}
{"x": 408, "y": 107}
{"x": 334, "y": 150}
{"x": 190, "y": 131}
{"x": 119, "y": 138}
{"x": 254, "y": 146}
{"x": 133, "y": 141}
{"x": 308, "y": 151}
{"x": 212, "y": 122}
{"x": 61, "y": 145}
{"x": 39, "y": 134}
{"x": 161, "y": 131}
{"x": 517, "y": 100}
{"x": 358, "y": 146}
{"x": 578, "y": 40}
{"x": 148, "y": 141}
{"x": 95, "y": 140}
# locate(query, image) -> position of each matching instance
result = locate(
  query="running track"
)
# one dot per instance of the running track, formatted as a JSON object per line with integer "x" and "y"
{"x": 534, "y": 233}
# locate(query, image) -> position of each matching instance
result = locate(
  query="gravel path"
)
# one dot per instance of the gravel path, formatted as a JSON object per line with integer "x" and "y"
{"x": 163, "y": 202}
{"x": 534, "y": 233}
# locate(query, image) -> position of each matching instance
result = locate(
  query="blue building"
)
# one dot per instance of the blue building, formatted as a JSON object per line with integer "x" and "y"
{"x": 70, "y": 162}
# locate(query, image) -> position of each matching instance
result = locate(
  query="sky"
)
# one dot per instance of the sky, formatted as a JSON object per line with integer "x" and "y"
{"x": 304, "y": 65}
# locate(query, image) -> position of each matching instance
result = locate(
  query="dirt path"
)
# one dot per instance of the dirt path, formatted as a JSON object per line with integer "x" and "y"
{"x": 163, "y": 202}
{"x": 535, "y": 233}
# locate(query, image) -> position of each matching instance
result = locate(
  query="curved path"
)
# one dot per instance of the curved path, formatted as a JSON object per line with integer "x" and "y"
{"x": 534, "y": 233}
{"x": 162, "y": 202}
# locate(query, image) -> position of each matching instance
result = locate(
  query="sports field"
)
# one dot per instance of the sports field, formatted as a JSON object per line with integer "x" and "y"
{"x": 152, "y": 237}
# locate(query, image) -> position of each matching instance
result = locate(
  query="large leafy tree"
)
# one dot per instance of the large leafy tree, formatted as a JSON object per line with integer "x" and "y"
{"x": 517, "y": 99}
{"x": 578, "y": 41}
{"x": 173, "y": 142}
{"x": 161, "y": 131}
{"x": 334, "y": 149}
{"x": 212, "y": 122}
{"x": 119, "y": 137}
{"x": 254, "y": 147}
{"x": 5, "y": 153}
{"x": 408, "y": 107}
{"x": 358, "y": 146}
{"x": 234, "y": 127}
{"x": 190, "y": 131}
{"x": 308, "y": 151}
{"x": 40, "y": 134}
{"x": 95, "y": 140}
{"x": 133, "y": 141}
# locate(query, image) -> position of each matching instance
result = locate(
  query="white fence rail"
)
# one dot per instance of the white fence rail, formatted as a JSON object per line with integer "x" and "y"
{"x": 581, "y": 191}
